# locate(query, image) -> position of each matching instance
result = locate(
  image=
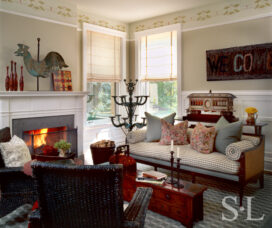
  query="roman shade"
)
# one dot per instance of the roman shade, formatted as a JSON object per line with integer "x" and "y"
{"x": 158, "y": 57}
{"x": 103, "y": 57}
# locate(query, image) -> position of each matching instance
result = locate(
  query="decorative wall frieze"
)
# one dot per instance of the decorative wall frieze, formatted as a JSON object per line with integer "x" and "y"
{"x": 209, "y": 15}
{"x": 213, "y": 14}
{"x": 60, "y": 11}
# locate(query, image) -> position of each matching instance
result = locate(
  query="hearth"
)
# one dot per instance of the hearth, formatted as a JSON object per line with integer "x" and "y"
{"x": 39, "y": 132}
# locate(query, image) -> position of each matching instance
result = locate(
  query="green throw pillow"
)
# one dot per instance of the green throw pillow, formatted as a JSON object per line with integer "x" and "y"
{"x": 153, "y": 131}
{"x": 227, "y": 133}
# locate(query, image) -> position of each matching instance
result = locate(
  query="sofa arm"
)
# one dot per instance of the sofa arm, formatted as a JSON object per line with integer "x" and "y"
{"x": 235, "y": 150}
{"x": 136, "y": 136}
{"x": 254, "y": 160}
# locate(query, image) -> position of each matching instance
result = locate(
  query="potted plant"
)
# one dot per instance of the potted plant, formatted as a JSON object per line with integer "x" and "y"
{"x": 63, "y": 146}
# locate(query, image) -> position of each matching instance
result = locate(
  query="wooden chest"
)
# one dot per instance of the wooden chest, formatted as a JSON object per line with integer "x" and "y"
{"x": 184, "y": 205}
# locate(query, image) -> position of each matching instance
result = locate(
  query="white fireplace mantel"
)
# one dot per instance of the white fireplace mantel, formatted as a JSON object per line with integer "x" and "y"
{"x": 27, "y": 104}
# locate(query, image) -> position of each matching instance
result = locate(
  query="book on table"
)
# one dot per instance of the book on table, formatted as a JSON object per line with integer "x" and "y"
{"x": 152, "y": 177}
{"x": 154, "y": 174}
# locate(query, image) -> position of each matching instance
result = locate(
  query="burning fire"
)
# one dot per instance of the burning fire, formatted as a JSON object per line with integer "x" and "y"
{"x": 40, "y": 137}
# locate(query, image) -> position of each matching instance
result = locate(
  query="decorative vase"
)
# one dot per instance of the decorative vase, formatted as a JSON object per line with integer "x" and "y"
{"x": 11, "y": 77}
{"x": 7, "y": 80}
{"x": 21, "y": 80}
{"x": 62, "y": 153}
{"x": 15, "y": 81}
{"x": 251, "y": 118}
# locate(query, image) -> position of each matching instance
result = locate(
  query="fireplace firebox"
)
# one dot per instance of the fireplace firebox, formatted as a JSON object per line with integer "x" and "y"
{"x": 39, "y": 132}
{"x": 36, "y": 140}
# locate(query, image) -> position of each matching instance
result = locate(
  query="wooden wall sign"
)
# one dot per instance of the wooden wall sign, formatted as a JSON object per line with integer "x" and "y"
{"x": 247, "y": 62}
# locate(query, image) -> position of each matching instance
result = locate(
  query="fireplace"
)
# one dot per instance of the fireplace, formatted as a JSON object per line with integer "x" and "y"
{"x": 39, "y": 132}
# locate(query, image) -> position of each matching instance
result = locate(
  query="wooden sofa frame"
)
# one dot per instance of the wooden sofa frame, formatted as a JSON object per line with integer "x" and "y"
{"x": 251, "y": 168}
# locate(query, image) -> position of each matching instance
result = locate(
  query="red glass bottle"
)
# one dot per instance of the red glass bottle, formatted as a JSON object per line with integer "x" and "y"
{"x": 7, "y": 79}
{"x": 11, "y": 77}
{"x": 22, "y": 80}
{"x": 15, "y": 81}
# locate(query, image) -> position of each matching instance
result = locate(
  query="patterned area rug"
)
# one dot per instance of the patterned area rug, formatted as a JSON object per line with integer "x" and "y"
{"x": 261, "y": 203}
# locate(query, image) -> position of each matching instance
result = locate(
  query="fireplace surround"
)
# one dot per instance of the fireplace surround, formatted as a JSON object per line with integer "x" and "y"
{"x": 64, "y": 109}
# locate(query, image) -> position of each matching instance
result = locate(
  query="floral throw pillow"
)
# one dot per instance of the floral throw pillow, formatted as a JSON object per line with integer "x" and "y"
{"x": 202, "y": 139}
{"x": 177, "y": 133}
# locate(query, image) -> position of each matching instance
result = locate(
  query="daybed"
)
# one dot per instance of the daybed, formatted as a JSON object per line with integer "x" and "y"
{"x": 243, "y": 162}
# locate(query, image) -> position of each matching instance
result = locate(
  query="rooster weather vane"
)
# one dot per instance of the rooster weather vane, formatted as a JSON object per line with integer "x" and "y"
{"x": 52, "y": 62}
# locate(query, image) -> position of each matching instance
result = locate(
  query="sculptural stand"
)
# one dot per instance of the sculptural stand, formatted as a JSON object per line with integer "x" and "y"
{"x": 38, "y": 59}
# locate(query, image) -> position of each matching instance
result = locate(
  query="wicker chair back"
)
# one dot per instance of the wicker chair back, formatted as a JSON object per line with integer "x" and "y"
{"x": 79, "y": 196}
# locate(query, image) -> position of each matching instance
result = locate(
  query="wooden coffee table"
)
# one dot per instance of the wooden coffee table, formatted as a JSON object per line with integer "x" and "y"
{"x": 184, "y": 205}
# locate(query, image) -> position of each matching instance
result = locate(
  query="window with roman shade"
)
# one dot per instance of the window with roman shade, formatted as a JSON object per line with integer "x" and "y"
{"x": 158, "y": 57}
{"x": 103, "y": 57}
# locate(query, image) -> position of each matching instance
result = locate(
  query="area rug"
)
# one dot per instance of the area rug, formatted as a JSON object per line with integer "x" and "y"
{"x": 261, "y": 204}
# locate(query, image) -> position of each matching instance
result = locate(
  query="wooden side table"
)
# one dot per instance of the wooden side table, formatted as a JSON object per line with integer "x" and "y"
{"x": 184, "y": 205}
{"x": 257, "y": 127}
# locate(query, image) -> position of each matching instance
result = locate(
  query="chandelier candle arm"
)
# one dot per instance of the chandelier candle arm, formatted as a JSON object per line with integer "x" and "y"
{"x": 115, "y": 100}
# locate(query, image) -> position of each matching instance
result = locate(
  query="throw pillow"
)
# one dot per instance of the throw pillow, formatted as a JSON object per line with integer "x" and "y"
{"x": 222, "y": 122}
{"x": 153, "y": 131}
{"x": 202, "y": 139}
{"x": 177, "y": 133}
{"x": 227, "y": 133}
{"x": 15, "y": 153}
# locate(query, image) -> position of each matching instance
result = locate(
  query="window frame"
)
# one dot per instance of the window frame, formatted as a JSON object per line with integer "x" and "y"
{"x": 168, "y": 28}
{"x": 119, "y": 88}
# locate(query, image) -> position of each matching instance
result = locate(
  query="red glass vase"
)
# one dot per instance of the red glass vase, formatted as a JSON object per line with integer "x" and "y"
{"x": 7, "y": 80}
{"x": 11, "y": 77}
{"x": 22, "y": 80}
{"x": 15, "y": 81}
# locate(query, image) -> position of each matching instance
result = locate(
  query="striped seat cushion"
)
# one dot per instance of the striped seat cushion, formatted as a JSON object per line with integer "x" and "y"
{"x": 214, "y": 161}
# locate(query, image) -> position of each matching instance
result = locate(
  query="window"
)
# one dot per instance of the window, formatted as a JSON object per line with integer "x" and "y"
{"x": 159, "y": 71}
{"x": 103, "y": 56}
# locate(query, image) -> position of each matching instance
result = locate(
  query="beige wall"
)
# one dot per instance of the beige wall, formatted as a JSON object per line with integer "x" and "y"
{"x": 194, "y": 46}
{"x": 54, "y": 37}
{"x": 195, "y": 43}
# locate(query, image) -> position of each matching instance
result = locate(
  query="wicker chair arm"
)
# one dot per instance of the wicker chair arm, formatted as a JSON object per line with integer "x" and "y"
{"x": 11, "y": 174}
{"x": 15, "y": 180}
{"x": 134, "y": 215}
{"x": 34, "y": 219}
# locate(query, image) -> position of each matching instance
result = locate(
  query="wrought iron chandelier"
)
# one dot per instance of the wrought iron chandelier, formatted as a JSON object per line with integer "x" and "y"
{"x": 130, "y": 105}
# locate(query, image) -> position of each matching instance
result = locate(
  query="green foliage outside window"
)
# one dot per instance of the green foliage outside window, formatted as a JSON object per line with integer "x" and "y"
{"x": 166, "y": 101}
{"x": 99, "y": 100}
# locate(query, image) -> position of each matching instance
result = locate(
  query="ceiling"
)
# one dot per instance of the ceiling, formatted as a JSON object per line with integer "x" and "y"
{"x": 128, "y": 11}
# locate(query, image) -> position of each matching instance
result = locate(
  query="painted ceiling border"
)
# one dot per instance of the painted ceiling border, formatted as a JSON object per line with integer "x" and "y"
{"x": 225, "y": 12}
{"x": 67, "y": 13}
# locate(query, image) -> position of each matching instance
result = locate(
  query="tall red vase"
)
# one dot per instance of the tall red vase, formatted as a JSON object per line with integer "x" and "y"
{"x": 7, "y": 80}
{"x": 22, "y": 80}
{"x": 11, "y": 77}
{"x": 15, "y": 81}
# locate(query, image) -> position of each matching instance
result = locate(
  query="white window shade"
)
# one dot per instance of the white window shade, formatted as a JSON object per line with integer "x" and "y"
{"x": 158, "y": 57}
{"x": 103, "y": 57}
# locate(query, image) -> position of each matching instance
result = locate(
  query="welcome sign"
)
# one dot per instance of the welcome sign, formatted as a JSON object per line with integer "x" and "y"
{"x": 247, "y": 62}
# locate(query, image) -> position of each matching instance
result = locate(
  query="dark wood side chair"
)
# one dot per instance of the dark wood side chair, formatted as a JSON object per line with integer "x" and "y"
{"x": 16, "y": 187}
{"x": 85, "y": 196}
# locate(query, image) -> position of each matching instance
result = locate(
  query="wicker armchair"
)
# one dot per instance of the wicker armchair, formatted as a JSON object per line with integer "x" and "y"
{"x": 16, "y": 187}
{"x": 85, "y": 196}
